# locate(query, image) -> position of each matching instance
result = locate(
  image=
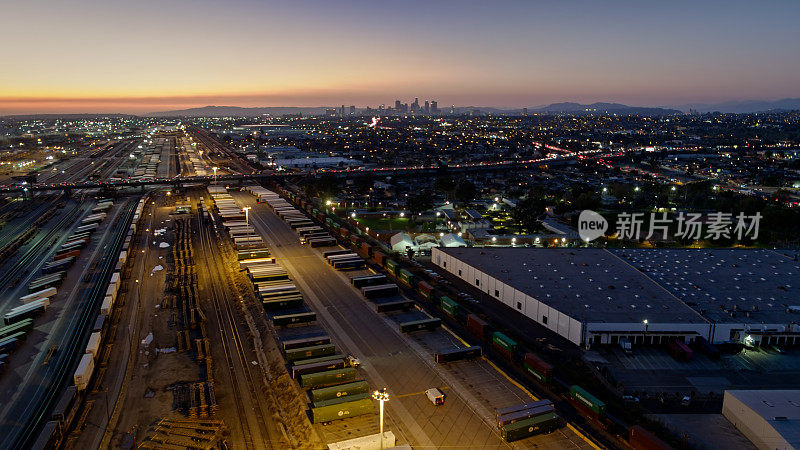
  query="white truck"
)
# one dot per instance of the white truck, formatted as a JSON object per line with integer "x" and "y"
{"x": 625, "y": 345}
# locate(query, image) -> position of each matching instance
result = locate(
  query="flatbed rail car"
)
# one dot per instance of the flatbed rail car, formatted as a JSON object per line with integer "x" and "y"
{"x": 443, "y": 355}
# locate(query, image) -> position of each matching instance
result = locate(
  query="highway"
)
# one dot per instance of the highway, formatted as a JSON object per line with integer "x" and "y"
{"x": 464, "y": 422}
{"x": 237, "y": 381}
{"x": 32, "y": 388}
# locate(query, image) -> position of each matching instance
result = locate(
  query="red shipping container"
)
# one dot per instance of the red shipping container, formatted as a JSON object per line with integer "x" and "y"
{"x": 538, "y": 365}
{"x": 74, "y": 253}
{"x": 477, "y": 326}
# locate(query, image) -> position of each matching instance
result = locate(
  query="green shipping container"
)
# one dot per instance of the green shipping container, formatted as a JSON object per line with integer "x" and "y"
{"x": 391, "y": 266}
{"x": 346, "y": 398}
{"x": 504, "y": 341}
{"x": 545, "y": 423}
{"x": 588, "y": 400}
{"x": 250, "y": 254}
{"x": 20, "y": 327}
{"x": 449, "y": 306}
{"x": 289, "y": 319}
{"x": 341, "y": 410}
{"x": 340, "y": 390}
{"x": 297, "y": 354}
{"x": 406, "y": 277}
{"x": 535, "y": 373}
{"x": 312, "y": 380}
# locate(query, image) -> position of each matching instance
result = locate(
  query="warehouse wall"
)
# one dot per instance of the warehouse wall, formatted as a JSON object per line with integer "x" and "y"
{"x": 543, "y": 314}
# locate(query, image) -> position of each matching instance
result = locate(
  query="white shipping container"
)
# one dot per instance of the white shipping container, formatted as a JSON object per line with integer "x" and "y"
{"x": 84, "y": 371}
{"x": 93, "y": 346}
{"x": 108, "y": 303}
{"x": 44, "y": 293}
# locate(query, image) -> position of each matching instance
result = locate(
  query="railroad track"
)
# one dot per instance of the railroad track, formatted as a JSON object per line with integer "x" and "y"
{"x": 58, "y": 371}
{"x": 35, "y": 250}
{"x": 236, "y": 353}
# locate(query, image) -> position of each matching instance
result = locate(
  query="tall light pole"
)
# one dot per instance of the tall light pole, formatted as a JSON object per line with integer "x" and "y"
{"x": 645, "y": 330}
{"x": 215, "y": 173}
{"x": 246, "y": 210}
{"x": 382, "y": 396}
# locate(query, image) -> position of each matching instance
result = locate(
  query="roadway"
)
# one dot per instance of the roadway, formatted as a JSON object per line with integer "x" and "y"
{"x": 390, "y": 359}
{"x": 32, "y": 385}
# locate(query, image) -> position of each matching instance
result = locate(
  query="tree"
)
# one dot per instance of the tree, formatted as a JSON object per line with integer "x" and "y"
{"x": 418, "y": 203}
{"x": 465, "y": 191}
{"x": 444, "y": 184}
{"x": 528, "y": 211}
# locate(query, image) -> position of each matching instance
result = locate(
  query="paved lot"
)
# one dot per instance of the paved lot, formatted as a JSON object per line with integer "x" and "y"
{"x": 403, "y": 364}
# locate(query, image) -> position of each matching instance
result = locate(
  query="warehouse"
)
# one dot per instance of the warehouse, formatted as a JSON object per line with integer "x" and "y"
{"x": 769, "y": 418}
{"x": 597, "y": 296}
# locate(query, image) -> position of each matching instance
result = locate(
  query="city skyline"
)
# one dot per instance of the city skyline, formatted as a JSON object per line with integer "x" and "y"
{"x": 113, "y": 57}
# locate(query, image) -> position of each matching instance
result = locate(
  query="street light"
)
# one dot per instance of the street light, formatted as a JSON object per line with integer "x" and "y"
{"x": 215, "y": 173}
{"x": 246, "y": 210}
{"x": 645, "y": 330}
{"x": 382, "y": 396}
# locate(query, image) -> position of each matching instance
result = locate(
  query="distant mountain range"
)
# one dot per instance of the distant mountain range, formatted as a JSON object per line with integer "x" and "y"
{"x": 238, "y": 111}
{"x": 741, "y": 107}
{"x": 606, "y": 108}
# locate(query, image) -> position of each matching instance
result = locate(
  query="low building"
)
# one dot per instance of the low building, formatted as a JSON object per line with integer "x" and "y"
{"x": 596, "y": 296}
{"x": 769, "y": 418}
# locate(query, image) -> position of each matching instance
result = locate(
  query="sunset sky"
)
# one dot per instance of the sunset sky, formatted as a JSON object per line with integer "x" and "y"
{"x": 133, "y": 57}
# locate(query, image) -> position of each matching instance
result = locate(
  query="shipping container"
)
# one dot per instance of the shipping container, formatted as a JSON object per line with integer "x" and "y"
{"x": 502, "y": 341}
{"x": 58, "y": 266}
{"x": 322, "y": 242}
{"x": 396, "y": 305}
{"x": 477, "y": 326}
{"x": 424, "y": 324}
{"x": 93, "y": 346}
{"x": 425, "y": 289}
{"x": 274, "y": 304}
{"x": 252, "y": 253}
{"x": 512, "y": 409}
{"x": 379, "y": 258}
{"x": 369, "y": 280}
{"x": 46, "y": 281}
{"x": 588, "y": 400}
{"x": 70, "y": 254}
{"x": 320, "y": 359}
{"x": 538, "y": 368}
{"x": 38, "y": 295}
{"x": 27, "y": 311}
{"x": 305, "y": 342}
{"x": 679, "y": 350}
{"x": 23, "y": 326}
{"x": 9, "y": 343}
{"x": 327, "y": 378}
{"x": 321, "y": 366}
{"x": 449, "y": 306}
{"x": 443, "y": 355}
{"x": 289, "y": 319}
{"x": 83, "y": 373}
{"x": 344, "y": 399}
{"x": 546, "y": 423}
{"x": 380, "y": 290}
{"x": 406, "y": 277}
{"x": 341, "y": 410}
{"x": 391, "y": 266}
{"x": 313, "y": 351}
{"x": 350, "y": 264}
{"x": 516, "y": 416}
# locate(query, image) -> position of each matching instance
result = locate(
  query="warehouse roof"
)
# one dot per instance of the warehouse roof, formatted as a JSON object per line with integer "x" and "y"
{"x": 587, "y": 284}
{"x": 779, "y": 408}
{"x": 726, "y": 285}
